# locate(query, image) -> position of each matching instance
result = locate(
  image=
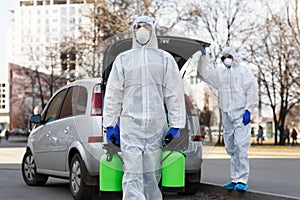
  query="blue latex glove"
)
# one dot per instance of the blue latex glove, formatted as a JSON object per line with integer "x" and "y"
{"x": 246, "y": 117}
{"x": 204, "y": 51}
{"x": 113, "y": 135}
{"x": 172, "y": 133}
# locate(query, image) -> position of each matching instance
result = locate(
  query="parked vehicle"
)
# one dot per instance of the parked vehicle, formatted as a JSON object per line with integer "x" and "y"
{"x": 68, "y": 136}
{"x": 18, "y": 132}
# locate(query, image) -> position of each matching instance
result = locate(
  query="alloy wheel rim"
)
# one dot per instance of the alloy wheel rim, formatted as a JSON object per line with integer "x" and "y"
{"x": 29, "y": 168}
{"x": 76, "y": 176}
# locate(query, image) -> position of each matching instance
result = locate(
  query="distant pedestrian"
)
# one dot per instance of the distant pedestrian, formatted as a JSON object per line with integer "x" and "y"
{"x": 1, "y": 129}
{"x": 203, "y": 133}
{"x": 294, "y": 136}
{"x": 253, "y": 134}
{"x": 260, "y": 135}
{"x": 6, "y": 134}
{"x": 287, "y": 135}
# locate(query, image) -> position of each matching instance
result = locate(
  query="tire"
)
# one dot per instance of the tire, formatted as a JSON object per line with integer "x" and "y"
{"x": 30, "y": 176}
{"x": 79, "y": 189}
{"x": 190, "y": 188}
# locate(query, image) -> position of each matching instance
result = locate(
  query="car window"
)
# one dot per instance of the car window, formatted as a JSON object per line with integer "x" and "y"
{"x": 66, "y": 109}
{"x": 54, "y": 107}
{"x": 75, "y": 102}
{"x": 81, "y": 96}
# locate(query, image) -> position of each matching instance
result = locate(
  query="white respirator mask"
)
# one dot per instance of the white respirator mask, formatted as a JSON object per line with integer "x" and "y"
{"x": 142, "y": 36}
{"x": 228, "y": 62}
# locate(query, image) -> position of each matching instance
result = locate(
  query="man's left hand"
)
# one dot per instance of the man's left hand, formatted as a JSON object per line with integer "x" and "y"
{"x": 246, "y": 117}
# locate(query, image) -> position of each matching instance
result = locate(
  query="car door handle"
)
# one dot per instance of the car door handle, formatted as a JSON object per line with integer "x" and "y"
{"x": 66, "y": 130}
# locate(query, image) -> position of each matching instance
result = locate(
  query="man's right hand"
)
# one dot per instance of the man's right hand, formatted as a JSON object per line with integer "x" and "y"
{"x": 113, "y": 135}
{"x": 172, "y": 133}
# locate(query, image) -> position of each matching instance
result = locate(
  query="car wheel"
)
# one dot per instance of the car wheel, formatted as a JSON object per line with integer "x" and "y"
{"x": 190, "y": 188}
{"x": 79, "y": 189}
{"x": 30, "y": 176}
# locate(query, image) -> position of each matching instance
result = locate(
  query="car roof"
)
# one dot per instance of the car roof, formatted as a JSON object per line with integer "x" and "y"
{"x": 87, "y": 80}
{"x": 179, "y": 47}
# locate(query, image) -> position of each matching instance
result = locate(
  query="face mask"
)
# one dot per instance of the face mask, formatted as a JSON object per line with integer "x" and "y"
{"x": 227, "y": 62}
{"x": 142, "y": 36}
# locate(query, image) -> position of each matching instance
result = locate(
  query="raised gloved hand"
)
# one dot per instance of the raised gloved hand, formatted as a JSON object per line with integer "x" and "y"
{"x": 172, "y": 133}
{"x": 204, "y": 51}
{"x": 113, "y": 135}
{"x": 246, "y": 117}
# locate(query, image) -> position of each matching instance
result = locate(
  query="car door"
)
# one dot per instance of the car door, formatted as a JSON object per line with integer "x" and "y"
{"x": 62, "y": 131}
{"x": 43, "y": 133}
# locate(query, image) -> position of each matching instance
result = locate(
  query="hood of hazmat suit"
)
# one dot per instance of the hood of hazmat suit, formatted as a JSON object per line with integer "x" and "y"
{"x": 144, "y": 92}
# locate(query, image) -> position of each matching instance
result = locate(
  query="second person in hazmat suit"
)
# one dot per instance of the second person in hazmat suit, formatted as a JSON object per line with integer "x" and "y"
{"x": 238, "y": 96}
{"x": 144, "y": 93}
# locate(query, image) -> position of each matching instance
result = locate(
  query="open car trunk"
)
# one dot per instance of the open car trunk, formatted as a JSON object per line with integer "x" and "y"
{"x": 180, "y": 48}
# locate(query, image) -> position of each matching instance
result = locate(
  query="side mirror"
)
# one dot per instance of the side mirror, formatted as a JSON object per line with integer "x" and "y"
{"x": 35, "y": 119}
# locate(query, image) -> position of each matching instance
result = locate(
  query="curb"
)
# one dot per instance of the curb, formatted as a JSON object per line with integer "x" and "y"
{"x": 249, "y": 195}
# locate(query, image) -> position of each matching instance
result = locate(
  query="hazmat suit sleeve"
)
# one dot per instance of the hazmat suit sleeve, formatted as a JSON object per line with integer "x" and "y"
{"x": 251, "y": 91}
{"x": 206, "y": 73}
{"x": 174, "y": 94}
{"x": 114, "y": 95}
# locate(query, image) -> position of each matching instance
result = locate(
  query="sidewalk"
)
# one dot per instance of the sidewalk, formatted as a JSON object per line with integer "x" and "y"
{"x": 13, "y": 141}
{"x": 255, "y": 151}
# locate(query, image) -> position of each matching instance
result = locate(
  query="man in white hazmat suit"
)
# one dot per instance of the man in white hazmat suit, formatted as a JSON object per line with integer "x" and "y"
{"x": 144, "y": 85}
{"x": 238, "y": 96}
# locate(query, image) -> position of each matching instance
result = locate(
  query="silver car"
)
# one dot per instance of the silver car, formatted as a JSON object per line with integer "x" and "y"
{"x": 67, "y": 141}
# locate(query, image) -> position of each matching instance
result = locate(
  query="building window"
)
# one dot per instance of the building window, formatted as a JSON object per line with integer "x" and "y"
{"x": 64, "y": 21}
{"x": 72, "y": 11}
{"x": 76, "y": 1}
{"x": 59, "y": 2}
{"x": 72, "y": 20}
{"x": 63, "y": 11}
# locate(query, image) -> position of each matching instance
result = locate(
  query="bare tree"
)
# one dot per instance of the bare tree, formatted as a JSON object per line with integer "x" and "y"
{"x": 108, "y": 21}
{"x": 275, "y": 52}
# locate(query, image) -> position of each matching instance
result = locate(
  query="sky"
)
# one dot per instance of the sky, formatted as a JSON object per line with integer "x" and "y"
{"x": 5, "y": 21}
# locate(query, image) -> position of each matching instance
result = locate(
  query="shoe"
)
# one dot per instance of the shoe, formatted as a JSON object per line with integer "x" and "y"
{"x": 230, "y": 185}
{"x": 241, "y": 187}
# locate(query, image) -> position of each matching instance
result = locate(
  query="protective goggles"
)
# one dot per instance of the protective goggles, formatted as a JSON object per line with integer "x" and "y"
{"x": 142, "y": 24}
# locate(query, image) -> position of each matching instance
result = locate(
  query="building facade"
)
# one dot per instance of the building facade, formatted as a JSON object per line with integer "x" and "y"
{"x": 4, "y": 105}
{"x": 24, "y": 93}
{"x": 39, "y": 29}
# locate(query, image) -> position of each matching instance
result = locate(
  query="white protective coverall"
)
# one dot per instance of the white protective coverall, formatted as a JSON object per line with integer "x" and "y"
{"x": 237, "y": 89}
{"x": 144, "y": 82}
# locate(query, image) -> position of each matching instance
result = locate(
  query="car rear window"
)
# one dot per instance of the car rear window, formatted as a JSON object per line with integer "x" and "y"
{"x": 80, "y": 106}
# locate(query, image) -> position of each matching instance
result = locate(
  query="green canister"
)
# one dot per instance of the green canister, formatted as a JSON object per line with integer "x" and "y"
{"x": 111, "y": 173}
{"x": 173, "y": 171}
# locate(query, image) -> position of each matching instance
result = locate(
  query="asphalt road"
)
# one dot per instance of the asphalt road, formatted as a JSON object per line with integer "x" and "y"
{"x": 277, "y": 175}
